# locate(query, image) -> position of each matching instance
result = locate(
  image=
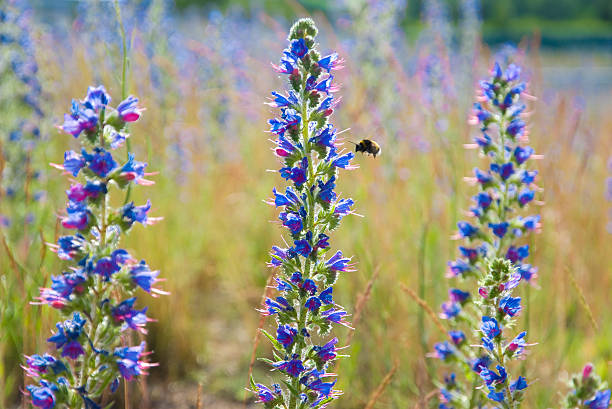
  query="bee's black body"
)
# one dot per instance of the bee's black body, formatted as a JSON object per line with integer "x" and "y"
{"x": 368, "y": 146}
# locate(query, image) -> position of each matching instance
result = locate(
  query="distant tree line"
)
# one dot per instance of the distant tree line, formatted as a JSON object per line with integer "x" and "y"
{"x": 494, "y": 11}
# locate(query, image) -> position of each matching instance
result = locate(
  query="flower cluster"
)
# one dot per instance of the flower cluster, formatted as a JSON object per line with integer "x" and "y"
{"x": 492, "y": 255}
{"x": 587, "y": 391}
{"x": 20, "y": 190}
{"x": 307, "y": 146}
{"x": 95, "y": 293}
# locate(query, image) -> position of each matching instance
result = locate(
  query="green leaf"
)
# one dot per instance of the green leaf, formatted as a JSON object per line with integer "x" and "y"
{"x": 291, "y": 388}
{"x": 266, "y": 360}
{"x": 277, "y": 345}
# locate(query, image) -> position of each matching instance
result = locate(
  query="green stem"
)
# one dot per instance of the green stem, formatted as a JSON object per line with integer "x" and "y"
{"x": 93, "y": 315}
{"x": 501, "y": 359}
{"x": 502, "y": 206}
{"x": 104, "y": 227}
{"x": 474, "y": 394}
{"x": 124, "y": 63}
{"x": 502, "y": 134}
{"x": 303, "y": 312}
{"x": 124, "y": 49}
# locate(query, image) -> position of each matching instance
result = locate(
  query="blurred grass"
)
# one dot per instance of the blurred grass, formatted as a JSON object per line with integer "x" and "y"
{"x": 204, "y": 130}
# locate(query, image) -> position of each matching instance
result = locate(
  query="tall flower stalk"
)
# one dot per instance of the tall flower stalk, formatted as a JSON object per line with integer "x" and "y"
{"x": 493, "y": 258}
{"x": 95, "y": 294}
{"x": 307, "y": 146}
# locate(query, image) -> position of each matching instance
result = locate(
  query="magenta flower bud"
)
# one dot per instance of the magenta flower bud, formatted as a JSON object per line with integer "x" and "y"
{"x": 586, "y": 372}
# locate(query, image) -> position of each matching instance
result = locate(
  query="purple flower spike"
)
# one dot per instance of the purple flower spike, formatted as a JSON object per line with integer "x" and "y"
{"x": 494, "y": 260}
{"x": 307, "y": 147}
{"x": 97, "y": 287}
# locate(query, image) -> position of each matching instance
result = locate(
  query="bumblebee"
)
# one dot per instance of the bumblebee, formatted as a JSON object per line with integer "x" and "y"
{"x": 367, "y": 146}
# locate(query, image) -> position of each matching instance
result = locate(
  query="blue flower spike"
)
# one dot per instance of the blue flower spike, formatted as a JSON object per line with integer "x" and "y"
{"x": 311, "y": 160}
{"x": 95, "y": 293}
{"x": 483, "y": 340}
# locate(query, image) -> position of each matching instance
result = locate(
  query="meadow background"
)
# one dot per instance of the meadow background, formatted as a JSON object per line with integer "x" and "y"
{"x": 203, "y": 72}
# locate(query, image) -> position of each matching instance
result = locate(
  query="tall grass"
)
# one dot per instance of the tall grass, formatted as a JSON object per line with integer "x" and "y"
{"x": 205, "y": 133}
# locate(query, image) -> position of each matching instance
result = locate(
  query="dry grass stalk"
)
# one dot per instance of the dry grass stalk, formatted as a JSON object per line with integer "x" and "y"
{"x": 362, "y": 300}
{"x": 426, "y": 307}
{"x": 381, "y": 387}
{"x": 126, "y": 395}
{"x": 583, "y": 300}
{"x": 9, "y": 253}
{"x": 426, "y": 399}
{"x": 199, "y": 400}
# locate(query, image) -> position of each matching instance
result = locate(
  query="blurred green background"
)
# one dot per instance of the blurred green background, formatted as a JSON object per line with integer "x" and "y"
{"x": 203, "y": 72}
